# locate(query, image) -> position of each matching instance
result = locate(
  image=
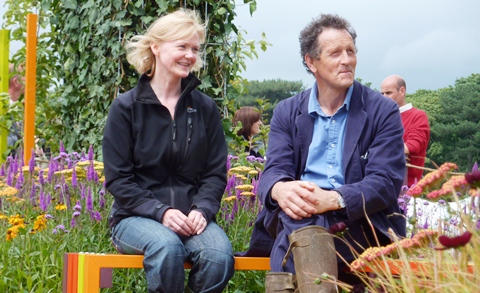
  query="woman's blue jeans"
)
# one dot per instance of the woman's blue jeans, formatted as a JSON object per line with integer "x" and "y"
{"x": 165, "y": 253}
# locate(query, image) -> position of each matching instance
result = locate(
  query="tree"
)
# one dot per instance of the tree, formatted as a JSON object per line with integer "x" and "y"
{"x": 86, "y": 51}
{"x": 273, "y": 91}
{"x": 455, "y": 132}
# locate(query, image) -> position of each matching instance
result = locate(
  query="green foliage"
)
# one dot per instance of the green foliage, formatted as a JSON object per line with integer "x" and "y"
{"x": 455, "y": 133}
{"x": 83, "y": 51}
{"x": 428, "y": 101}
{"x": 273, "y": 90}
{"x": 47, "y": 65}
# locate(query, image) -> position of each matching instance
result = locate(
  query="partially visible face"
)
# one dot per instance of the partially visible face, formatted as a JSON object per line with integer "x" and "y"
{"x": 390, "y": 89}
{"x": 256, "y": 127}
{"x": 335, "y": 67}
{"x": 177, "y": 57}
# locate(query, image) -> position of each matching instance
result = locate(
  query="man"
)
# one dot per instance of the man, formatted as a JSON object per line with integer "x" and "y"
{"x": 16, "y": 88}
{"x": 416, "y": 133}
{"x": 332, "y": 153}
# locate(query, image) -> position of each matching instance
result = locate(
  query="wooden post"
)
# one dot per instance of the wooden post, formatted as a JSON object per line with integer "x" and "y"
{"x": 4, "y": 81}
{"x": 30, "y": 85}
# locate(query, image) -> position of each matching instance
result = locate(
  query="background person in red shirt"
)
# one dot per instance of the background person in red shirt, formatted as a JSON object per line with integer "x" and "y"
{"x": 416, "y": 133}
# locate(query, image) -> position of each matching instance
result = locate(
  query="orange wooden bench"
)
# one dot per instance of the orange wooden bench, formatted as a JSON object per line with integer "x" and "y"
{"x": 88, "y": 272}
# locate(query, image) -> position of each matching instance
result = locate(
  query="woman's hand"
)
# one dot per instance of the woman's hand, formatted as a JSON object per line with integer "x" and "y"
{"x": 178, "y": 222}
{"x": 189, "y": 225}
{"x": 198, "y": 220}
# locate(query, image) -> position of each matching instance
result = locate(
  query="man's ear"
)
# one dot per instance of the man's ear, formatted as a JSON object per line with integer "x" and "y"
{"x": 309, "y": 61}
{"x": 16, "y": 82}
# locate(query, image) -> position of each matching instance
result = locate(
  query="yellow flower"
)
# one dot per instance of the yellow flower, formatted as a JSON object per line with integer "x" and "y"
{"x": 230, "y": 198}
{"x": 61, "y": 207}
{"x": 101, "y": 179}
{"x": 64, "y": 172}
{"x": 247, "y": 193}
{"x": 87, "y": 163}
{"x": 240, "y": 170}
{"x": 253, "y": 173}
{"x": 83, "y": 163}
{"x": 3, "y": 217}
{"x": 16, "y": 221}
{"x": 12, "y": 232}
{"x": 40, "y": 223}
{"x": 245, "y": 187}
{"x": 26, "y": 169}
{"x": 242, "y": 177}
{"x": 8, "y": 191}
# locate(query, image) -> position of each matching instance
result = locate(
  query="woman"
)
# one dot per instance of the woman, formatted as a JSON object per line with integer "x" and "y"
{"x": 165, "y": 162}
{"x": 251, "y": 122}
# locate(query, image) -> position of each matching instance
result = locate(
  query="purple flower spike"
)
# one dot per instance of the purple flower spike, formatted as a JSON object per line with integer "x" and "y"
{"x": 89, "y": 200}
{"x": 74, "y": 177}
{"x": 31, "y": 163}
{"x": 20, "y": 181}
{"x": 90, "y": 153}
{"x": 41, "y": 180}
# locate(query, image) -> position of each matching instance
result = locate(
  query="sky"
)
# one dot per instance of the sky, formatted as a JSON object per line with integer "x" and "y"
{"x": 430, "y": 43}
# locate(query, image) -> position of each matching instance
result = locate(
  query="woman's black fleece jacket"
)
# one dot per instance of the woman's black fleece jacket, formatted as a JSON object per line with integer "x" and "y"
{"x": 153, "y": 163}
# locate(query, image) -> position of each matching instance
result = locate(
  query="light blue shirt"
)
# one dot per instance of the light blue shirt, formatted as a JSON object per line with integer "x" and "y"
{"x": 324, "y": 161}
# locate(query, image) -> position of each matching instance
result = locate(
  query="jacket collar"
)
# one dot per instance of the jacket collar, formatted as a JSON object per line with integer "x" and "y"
{"x": 357, "y": 117}
{"x": 145, "y": 92}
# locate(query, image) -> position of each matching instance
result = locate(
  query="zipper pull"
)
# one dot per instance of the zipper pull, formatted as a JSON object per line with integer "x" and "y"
{"x": 174, "y": 131}
{"x": 190, "y": 128}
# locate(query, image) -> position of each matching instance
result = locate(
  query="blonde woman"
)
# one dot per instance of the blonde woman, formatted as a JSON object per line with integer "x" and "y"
{"x": 165, "y": 162}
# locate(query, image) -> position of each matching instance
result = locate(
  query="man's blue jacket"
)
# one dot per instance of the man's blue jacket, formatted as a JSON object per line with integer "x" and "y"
{"x": 373, "y": 162}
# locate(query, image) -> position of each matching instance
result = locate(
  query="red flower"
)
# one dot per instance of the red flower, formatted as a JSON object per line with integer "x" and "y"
{"x": 337, "y": 228}
{"x": 457, "y": 241}
{"x": 473, "y": 178}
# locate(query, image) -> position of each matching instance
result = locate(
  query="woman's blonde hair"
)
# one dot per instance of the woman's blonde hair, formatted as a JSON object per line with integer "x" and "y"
{"x": 181, "y": 24}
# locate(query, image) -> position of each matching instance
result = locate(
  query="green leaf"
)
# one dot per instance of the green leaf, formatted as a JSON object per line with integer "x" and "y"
{"x": 70, "y": 4}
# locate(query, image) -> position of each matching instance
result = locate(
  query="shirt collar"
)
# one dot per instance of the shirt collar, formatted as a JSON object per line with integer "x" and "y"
{"x": 314, "y": 107}
{"x": 405, "y": 107}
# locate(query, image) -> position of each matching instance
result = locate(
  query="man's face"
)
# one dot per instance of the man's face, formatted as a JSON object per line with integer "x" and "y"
{"x": 390, "y": 89}
{"x": 335, "y": 67}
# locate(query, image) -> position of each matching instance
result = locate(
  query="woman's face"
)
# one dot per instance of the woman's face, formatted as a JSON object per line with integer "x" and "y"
{"x": 256, "y": 127}
{"x": 176, "y": 57}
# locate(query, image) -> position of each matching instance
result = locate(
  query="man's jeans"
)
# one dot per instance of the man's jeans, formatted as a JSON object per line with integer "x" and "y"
{"x": 165, "y": 253}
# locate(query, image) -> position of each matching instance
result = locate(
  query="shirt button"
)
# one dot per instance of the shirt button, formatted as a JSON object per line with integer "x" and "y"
{"x": 332, "y": 145}
{"x": 332, "y": 180}
{"x": 330, "y": 166}
{"x": 333, "y": 121}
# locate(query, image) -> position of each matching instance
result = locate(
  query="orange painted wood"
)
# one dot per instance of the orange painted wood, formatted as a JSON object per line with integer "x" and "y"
{"x": 95, "y": 262}
{"x": 30, "y": 85}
